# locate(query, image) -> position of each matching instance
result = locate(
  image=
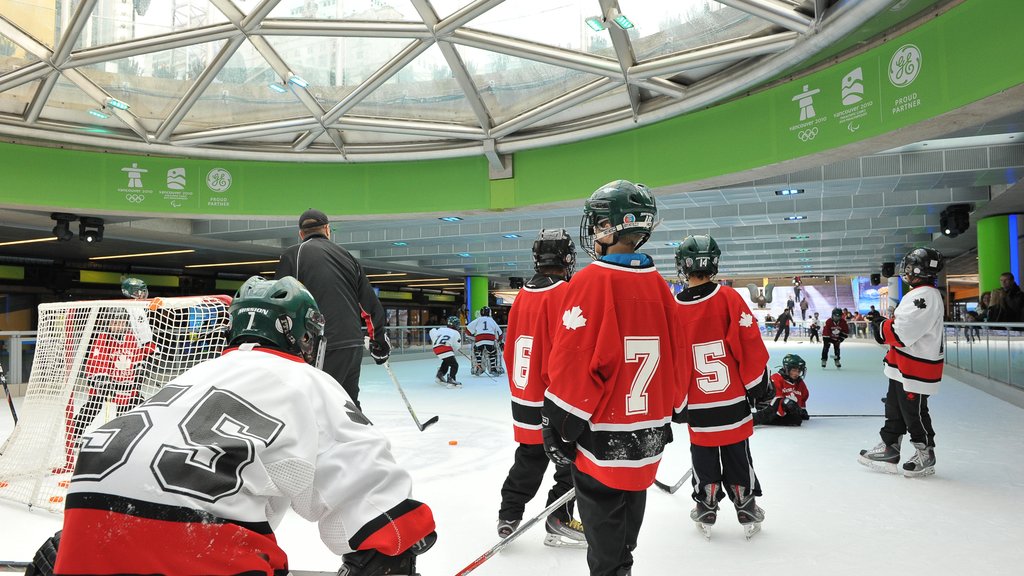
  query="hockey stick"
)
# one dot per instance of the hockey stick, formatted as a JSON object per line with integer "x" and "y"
{"x": 813, "y": 416}
{"x": 10, "y": 399}
{"x": 21, "y": 566}
{"x": 422, "y": 427}
{"x": 12, "y": 565}
{"x": 517, "y": 533}
{"x": 672, "y": 489}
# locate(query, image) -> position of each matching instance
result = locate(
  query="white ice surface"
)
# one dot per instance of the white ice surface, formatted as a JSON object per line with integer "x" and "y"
{"x": 826, "y": 514}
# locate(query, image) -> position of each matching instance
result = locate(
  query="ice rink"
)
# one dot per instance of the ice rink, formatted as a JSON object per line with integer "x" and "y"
{"x": 825, "y": 513}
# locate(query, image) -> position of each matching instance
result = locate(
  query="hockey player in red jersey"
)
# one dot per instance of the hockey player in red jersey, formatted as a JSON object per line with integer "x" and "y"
{"x": 729, "y": 362}
{"x": 613, "y": 383}
{"x": 789, "y": 405}
{"x": 835, "y": 331}
{"x": 913, "y": 365}
{"x": 533, "y": 319}
{"x": 195, "y": 480}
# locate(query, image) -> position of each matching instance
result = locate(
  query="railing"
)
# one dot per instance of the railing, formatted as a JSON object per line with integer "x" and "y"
{"x": 995, "y": 351}
{"x": 16, "y": 352}
{"x": 799, "y": 329}
{"x": 416, "y": 339}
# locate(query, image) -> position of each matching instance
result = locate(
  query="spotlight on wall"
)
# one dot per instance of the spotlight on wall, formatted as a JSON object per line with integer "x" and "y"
{"x": 63, "y": 228}
{"x": 90, "y": 229}
{"x": 955, "y": 219}
{"x": 876, "y": 279}
{"x": 515, "y": 282}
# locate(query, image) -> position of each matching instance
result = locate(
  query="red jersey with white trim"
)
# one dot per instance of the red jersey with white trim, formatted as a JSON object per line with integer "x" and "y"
{"x": 532, "y": 320}
{"x": 194, "y": 480}
{"x": 613, "y": 382}
{"x": 115, "y": 356}
{"x": 722, "y": 340}
{"x": 786, "y": 389}
{"x": 835, "y": 331}
{"x": 445, "y": 341}
{"x": 914, "y": 336}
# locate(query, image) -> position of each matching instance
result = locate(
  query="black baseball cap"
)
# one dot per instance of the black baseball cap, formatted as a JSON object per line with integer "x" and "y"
{"x": 312, "y": 218}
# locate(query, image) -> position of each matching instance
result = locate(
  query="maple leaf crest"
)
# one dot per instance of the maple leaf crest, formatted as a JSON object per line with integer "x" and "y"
{"x": 746, "y": 320}
{"x": 573, "y": 318}
{"x": 919, "y": 302}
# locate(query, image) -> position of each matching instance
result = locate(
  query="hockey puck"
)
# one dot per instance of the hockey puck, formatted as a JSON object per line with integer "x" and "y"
{"x": 453, "y": 442}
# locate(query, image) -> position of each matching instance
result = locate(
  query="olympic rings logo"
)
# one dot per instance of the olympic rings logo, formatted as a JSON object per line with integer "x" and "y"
{"x": 807, "y": 135}
{"x": 134, "y": 198}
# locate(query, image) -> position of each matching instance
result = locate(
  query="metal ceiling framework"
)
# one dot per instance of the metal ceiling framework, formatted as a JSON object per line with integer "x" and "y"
{"x": 780, "y": 34}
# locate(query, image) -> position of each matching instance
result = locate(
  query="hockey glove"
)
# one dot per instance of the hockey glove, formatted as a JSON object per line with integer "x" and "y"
{"x": 45, "y": 558}
{"x": 380, "y": 350}
{"x": 373, "y": 563}
{"x": 876, "y": 329}
{"x": 559, "y": 451}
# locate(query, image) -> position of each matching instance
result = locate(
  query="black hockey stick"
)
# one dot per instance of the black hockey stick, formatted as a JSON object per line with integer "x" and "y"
{"x": 10, "y": 399}
{"x": 813, "y": 416}
{"x": 672, "y": 489}
{"x": 422, "y": 427}
{"x": 12, "y": 565}
{"x": 517, "y": 533}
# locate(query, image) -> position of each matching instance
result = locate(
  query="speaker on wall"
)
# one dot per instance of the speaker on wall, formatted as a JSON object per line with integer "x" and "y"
{"x": 515, "y": 282}
{"x": 876, "y": 279}
{"x": 888, "y": 269}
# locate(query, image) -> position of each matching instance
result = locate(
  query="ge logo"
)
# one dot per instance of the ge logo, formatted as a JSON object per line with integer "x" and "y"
{"x": 218, "y": 179}
{"x": 905, "y": 65}
{"x": 134, "y": 198}
{"x": 807, "y": 135}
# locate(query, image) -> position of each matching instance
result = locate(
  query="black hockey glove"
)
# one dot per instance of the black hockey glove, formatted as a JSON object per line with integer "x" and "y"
{"x": 374, "y": 563}
{"x": 45, "y": 558}
{"x": 559, "y": 451}
{"x": 380, "y": 350}
{"x": 876, "y": 329}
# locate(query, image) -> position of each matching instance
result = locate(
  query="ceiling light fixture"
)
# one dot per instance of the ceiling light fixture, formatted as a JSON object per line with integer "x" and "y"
{"x": 115, "y": 103}
{"x": 803, "y": 249}
{"x": 465, "y": 254}
{"x": 63, "y": 228}
{"x": 511, "y": 236}
{"x": 99, "y": 114}
{"x": 672, "y": 244}
{"x": 450, "y": 218}
{"x": 796, "y": 217}
{"x": 233, "y": 263}
{"x": 399, "y": 243}
{"x": 297, "y": 80}
{"x": 619, "y": 19}
{"x": 596, "y": 23}
{"x": 141, "y": 254}
{"x": 408, "y": 280}
{"x": 789, "y": 192}
{"x": 387, "y": 274}
{"x": 277, "y": 88}
{"x": 90, "y": 229}
{"x": 32, "y": 241}
{"x": 803, "y": 237}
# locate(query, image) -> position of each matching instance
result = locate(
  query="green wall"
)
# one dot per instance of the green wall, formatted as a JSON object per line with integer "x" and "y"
{"x": 960, "y": 57}
{"x": 993, "y": 251}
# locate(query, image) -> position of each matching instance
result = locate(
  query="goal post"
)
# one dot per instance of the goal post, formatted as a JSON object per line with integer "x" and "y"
{"x": 95, "y": 360}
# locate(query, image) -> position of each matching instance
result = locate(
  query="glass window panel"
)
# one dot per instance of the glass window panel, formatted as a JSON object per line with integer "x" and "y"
{"x": 423, "y": 90}
{"x": 334, "y": 67}
{"x": 241, "y": 94}
{"x": 616, "y": 99}
{"x": 67, "y": 103}
{"x": 15, "y": 100}
{"x": 153, "y": 83}
{"x": 560, "y": 23}
{"x": 662, "y": 28}
{"x": 44, "y": 20}
{"x": 112, "y": 22}
{"x": 445, "y": 8}
{"x": 393, "y": 10}
{"x": 13, "y": 56}
{"x": 509, "y": 86}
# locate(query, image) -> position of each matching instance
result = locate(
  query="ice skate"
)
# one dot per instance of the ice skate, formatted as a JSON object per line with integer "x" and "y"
{"x": 824, "y": 363}
{"x": 507, "y": 527}
{"x": 453, "y": 383}
{"x": 706, "y": 511}
{"x": 882, "y": 458}
{"x": 838, "y": 363}
{"x": 564, "y": 534}
{"x": 748, "y": 512}
{"x": 439, "y": 380}
{"x": 922, "y": 463}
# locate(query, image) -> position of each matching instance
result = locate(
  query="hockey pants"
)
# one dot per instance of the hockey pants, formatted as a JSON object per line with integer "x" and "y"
{"x": 612, "y": 519}
{"x": 343, "y": 364}
{"x": 449, "y": 366}
{"x": 731, "y": 465}
{"x": 486, "y": 357}
{"x": 524, "y": 480}
{"x": 814, "y": 336}
{"x": 824, "y": 349}
{"x": 906, "y": 413}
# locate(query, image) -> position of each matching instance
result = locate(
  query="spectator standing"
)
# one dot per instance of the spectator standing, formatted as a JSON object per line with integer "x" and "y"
{"x": 1011, "y": 301}
{"x": 803, "y": 309}
{"x": 343, "y": 292}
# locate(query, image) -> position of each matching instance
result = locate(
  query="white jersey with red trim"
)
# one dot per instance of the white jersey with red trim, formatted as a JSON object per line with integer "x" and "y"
{"x": 484, "y": 330}
{"x": 445, "y": 341}
{"x": 723, "y": 341}
{"x": 914, "y": 336}
{"x": 194, "y": 480}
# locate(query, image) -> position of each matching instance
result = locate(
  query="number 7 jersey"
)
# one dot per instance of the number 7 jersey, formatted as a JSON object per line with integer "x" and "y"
{"x": 722, "y": 339}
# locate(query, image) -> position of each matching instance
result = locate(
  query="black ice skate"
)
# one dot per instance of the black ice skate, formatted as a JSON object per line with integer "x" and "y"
{"x": 452, "y": 382}
{"x": 838, "y": 363}
{"x": 748, "y": 512}
{"x": 824, "y": 363}
{"x": 564, "y": 534}
{"x": 440, "y": 380}
{"x": 706, "y": 511}
{"x": 882, "y": 458}
{"x": 922, "y": 463}
{"x": 507, "y": 527}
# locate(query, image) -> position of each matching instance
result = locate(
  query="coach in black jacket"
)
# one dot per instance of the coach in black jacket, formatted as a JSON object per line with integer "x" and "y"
{"x": 343, "y": 293}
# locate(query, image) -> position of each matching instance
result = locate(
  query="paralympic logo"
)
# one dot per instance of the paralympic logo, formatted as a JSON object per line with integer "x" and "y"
{"x": 134, "y": 198}
{"x": 808, "y": 134}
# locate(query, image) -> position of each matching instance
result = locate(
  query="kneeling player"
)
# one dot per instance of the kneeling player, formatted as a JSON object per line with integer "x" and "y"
{"x": 444, "y": 341}
{"x": 789, "y": 406}
{"x": 194, "y": 480}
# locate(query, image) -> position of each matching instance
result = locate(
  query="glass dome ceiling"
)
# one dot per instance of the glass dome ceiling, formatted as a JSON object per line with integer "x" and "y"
{"x": 373, "y": 80}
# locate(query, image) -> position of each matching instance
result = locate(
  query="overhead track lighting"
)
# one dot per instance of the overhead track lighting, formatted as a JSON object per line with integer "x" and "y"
{"x": 90, "y": 229}
{"x": 63, "y": 228}
{"x": 955, "y": 220}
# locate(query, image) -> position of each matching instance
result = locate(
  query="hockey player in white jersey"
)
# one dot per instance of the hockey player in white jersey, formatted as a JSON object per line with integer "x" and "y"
{"x": 486, "y": 335}
{"x": 445, "y": 340}
{"x": 195, "y": 480}
{"x": 913, "y": 365}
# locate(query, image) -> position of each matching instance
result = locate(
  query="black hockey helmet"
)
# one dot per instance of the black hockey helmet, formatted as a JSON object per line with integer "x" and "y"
{"x": 485, "y": 311}
{"x": 921, "y": 265}
{"x": 280, "y": 313}
{"x": 790, "y": 361}
{"x": 627, "y": 208}
{"x": 837, "y": 314}
{"x": 453, "y": 322}
{"x": 554, "y": 248}
{"x": 697, "y": 255}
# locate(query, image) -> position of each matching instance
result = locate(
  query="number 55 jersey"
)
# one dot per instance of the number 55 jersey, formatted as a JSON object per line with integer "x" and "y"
{"x": 194, "y": 480}
{"x": 723, "y": 341}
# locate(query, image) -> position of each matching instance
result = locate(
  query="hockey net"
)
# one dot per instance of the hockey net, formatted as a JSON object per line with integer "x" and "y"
{"x": 94, "y": 360}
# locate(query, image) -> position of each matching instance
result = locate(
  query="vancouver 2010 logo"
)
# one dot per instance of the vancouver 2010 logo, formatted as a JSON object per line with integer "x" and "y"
{"x": 905, "y": 65}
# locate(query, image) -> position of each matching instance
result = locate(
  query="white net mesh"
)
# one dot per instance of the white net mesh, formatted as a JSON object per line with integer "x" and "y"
{"x": 95, "y": 360}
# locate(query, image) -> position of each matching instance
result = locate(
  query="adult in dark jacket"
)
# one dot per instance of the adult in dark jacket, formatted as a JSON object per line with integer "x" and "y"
{"x": 344, "y": 295}
{"x": 1011, "y": 301}
{"x": 782, "y": 324}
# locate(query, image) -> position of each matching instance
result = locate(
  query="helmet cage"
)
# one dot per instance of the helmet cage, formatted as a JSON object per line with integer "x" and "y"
{"x": 619, "y": 207}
